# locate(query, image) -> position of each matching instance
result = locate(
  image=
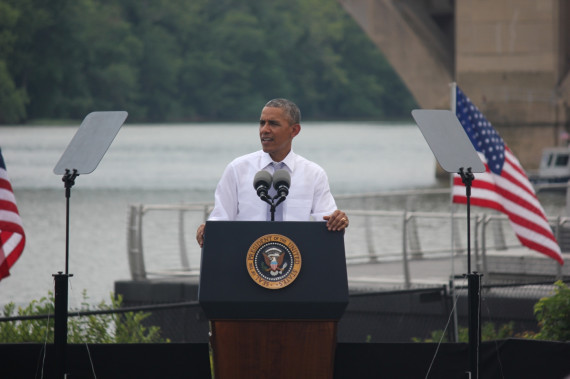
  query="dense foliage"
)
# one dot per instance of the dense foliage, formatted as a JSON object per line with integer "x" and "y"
{"x": 167, "y": 60}
{"x": 553, "y": 314}
{"x": 96, "y": 328}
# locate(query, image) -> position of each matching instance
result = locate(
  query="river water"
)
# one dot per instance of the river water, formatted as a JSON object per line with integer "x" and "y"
{"x": 170, "y": 164}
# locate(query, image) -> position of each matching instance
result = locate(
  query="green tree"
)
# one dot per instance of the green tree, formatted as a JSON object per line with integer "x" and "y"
{"x": 101, "y": 54}
{"x": 13, "y": 98}
{"x": 35, "y": 62}
{"x": 160, "y": 26}
{"x": 553, "y": 314}
{"x": 171, "y": 60}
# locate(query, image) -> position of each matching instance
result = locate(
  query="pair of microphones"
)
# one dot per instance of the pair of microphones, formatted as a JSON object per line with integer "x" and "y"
{"x": 281, "y": 180}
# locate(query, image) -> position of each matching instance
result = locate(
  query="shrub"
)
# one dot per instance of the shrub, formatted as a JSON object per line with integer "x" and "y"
{"x": 553, "y": 314}
{"x": 488, "y": 333}
{"x": 95, "y": 328}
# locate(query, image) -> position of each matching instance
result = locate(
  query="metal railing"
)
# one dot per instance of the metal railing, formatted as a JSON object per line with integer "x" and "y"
{"x": 135, "y": 242}
{"x": 161, "y": 237}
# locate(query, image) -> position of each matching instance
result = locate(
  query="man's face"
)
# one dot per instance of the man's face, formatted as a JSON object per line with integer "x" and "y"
{"x": 276, "y": 133}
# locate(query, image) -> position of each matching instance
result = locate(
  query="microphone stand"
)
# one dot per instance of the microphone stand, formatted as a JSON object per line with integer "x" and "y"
{"x": 265, "y": 197}
{"x": 275, "y": 204}
{"x": 271, "y": 201}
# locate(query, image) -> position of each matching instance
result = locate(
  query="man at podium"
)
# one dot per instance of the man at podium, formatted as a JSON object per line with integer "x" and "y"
{"x": 308, "y": 197}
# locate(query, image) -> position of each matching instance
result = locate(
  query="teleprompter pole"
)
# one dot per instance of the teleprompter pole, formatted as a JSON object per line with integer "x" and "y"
{"x": 474, "y": 308}
{"x": 473, "y": 287}
{"x": 60, "y": 324}
{"x": 454, "y": 151}
{"x": 83, "y": 153}
{"x": 61, "y": 289}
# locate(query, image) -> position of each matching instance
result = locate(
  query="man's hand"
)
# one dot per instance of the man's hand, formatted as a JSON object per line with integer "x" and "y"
{"x": 200, "y": 235}
{"x": 337, "y": 221}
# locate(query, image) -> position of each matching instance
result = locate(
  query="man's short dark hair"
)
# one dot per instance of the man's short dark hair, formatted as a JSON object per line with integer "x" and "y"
{"x": 290, "y": 108}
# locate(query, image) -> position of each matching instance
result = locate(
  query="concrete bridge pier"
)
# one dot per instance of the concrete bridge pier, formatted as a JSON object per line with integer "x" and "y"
{"x": 512, "y": 58}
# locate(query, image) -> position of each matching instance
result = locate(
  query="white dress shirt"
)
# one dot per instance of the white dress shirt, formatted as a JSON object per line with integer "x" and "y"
{"x": 309, "y": 194}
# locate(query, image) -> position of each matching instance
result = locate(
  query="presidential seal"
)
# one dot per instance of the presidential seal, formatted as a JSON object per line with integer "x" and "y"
{"x": 273, "y": 261}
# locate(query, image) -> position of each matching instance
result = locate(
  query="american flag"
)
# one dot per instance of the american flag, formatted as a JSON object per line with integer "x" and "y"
{"x": 504, "y": 185}
{"x": 12, "y": 237}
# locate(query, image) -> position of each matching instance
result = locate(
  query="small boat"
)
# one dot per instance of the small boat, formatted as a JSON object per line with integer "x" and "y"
{"x": 554, "y": 167}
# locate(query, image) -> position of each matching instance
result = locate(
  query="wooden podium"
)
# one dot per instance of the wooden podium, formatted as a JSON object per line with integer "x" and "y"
{"x": 273, "y": 292}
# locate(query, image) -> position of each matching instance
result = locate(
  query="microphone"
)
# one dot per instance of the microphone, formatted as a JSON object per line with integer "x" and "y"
{"x": 262, "y": 183}
{"x": 281, "y": 182}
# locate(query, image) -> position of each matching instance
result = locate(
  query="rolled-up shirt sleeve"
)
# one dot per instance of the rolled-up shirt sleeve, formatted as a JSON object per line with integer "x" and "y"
{"x": 226, "y": 197}
{"x": 323, "y": 201}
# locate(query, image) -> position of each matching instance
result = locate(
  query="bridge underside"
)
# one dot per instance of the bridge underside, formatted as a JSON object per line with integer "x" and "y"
{"x": 512, "y": 58}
